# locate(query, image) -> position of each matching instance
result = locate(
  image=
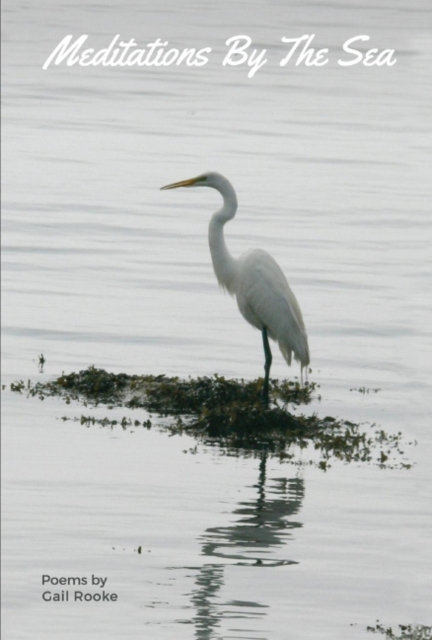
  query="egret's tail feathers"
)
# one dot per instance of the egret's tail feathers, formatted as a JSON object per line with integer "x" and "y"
{"x": 300, "y": 350}
{"x": 286, "y": 352}
{"x": 304, "y": 379}
{"x": 301, "y": 354}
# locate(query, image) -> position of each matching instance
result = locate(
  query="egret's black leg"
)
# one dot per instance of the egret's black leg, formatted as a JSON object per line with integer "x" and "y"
{"x": 267, "y": 365}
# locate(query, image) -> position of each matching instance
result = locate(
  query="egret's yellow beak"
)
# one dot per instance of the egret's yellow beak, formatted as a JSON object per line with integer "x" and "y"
{"x": 183, "y": 183}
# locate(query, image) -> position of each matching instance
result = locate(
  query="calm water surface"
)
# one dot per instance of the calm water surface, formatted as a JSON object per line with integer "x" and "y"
{"x": 331, "y": 166}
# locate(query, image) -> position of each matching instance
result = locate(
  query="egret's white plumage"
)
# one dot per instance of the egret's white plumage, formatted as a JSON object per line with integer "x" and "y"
{"x": 263, "y": 294}
{"x": 264, "y": 298}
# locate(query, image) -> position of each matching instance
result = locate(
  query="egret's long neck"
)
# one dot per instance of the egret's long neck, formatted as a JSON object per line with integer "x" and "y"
{"x": 224, "y": 264}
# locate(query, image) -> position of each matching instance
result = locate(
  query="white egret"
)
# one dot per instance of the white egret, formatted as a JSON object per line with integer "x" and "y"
{"x": 263, "y": 294}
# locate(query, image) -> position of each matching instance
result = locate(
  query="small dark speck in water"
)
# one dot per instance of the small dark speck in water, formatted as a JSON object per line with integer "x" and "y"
{"x": 41, "y": 362}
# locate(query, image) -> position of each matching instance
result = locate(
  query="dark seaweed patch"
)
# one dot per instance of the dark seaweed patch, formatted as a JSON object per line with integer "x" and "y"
{"x": 403, "y": 632}
{"x": 229, "y": 413}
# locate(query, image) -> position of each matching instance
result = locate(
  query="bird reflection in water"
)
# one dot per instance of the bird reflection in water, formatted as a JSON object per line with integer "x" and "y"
{"x": 264, "y": 523}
